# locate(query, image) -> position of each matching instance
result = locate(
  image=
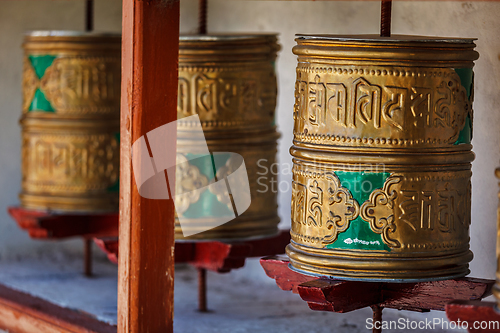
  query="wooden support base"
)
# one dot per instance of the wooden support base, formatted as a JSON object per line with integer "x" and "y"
{"x": 460, "y": 297}
{"x": 50, "y": 225}
{"x": 325, "y": 294}
{"x": 213, "y": 256}
{"x": 219, "y": 257}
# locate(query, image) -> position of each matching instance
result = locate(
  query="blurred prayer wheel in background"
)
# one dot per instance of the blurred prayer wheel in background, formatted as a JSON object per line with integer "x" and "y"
{"x": 230, "y": 83}
{"x": 382, "y": 157}
{"x": 71, "y": 121}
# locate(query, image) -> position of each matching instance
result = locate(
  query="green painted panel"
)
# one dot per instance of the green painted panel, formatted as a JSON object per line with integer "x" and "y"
{"x": 40, "y": 63}
{"x": 208, "y": 206}
{"x": 362, "y": 183}
{"x": 40, "y": 103}
{"x": 466, "y": 79}
{"x": 203, "y": 162}
{"x": 219, "y": 160}
{"x": 359, "y": 234}
{"x": 465, "y": 135}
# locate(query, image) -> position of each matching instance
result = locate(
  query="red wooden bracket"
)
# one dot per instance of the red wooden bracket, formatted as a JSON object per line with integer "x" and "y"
{"x": 479, "y": 316}
{"x": 215, "y": 256}
{"x": 49, "y": 225}
{"x": 324, "y": 294}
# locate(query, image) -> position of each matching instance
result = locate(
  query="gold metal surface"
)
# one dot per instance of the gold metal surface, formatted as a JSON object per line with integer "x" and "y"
{"x": 70, "y": 121}
{"x": 382, "y": 157}
{"x": 230, "y": 83}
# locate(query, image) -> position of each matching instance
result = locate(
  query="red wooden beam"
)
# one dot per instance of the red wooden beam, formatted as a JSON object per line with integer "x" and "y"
{"x": 150, "y": 47}
{"x": 23, "y": 313}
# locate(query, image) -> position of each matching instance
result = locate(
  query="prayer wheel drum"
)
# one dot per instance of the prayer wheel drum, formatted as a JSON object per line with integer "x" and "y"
{"x": 230, "y": 83}
{"x": 71, "y": 121}
{"x": 382, "y": 157}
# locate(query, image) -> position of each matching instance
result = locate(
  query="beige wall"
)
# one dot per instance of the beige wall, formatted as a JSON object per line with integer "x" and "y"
{"x": 458, "y": 19}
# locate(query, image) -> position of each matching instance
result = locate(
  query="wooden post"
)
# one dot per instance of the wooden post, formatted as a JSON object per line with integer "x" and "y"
{"x": 150, "y": 46}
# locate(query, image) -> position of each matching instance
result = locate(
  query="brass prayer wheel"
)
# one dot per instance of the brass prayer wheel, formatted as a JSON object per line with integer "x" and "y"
{"x": 71, "y": 121}
{"x": 230, "y": 83}
{"x": 382, "y": 157}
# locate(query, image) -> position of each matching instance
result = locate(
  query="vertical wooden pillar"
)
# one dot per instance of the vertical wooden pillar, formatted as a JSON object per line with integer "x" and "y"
{"x": 149, "y": 99}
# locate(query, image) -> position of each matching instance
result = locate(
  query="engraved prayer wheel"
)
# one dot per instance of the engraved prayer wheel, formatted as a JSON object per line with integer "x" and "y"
{"x": 382, "y": 157}
{"x": 230, "y": 83}
{"x": 71, "y": 121}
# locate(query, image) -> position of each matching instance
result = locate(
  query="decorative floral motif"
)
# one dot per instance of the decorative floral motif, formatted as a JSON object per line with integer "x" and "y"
{"x": 189, "y": 181}
{"x": 379, "y": 212}
{"x": 343, "y": 208}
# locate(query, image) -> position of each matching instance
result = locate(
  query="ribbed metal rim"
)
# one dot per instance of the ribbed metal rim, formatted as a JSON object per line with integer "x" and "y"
{"x": 226, "y": 37}
{"x": 392, "y": 39}
{"x": 69, "y": 33}
{"x": 387, "y": 280}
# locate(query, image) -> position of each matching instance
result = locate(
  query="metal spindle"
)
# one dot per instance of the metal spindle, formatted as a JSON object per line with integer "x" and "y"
{"x": 89, "y": 15}
{"x": 385, "y": 18}
{"x": 202, "y": 17}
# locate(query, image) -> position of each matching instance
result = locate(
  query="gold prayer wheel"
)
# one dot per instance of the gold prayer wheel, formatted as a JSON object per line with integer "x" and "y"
{"x": 382, "y": 157}
{"x": 230, "y": 83}
{"x": 71, "y": 121}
